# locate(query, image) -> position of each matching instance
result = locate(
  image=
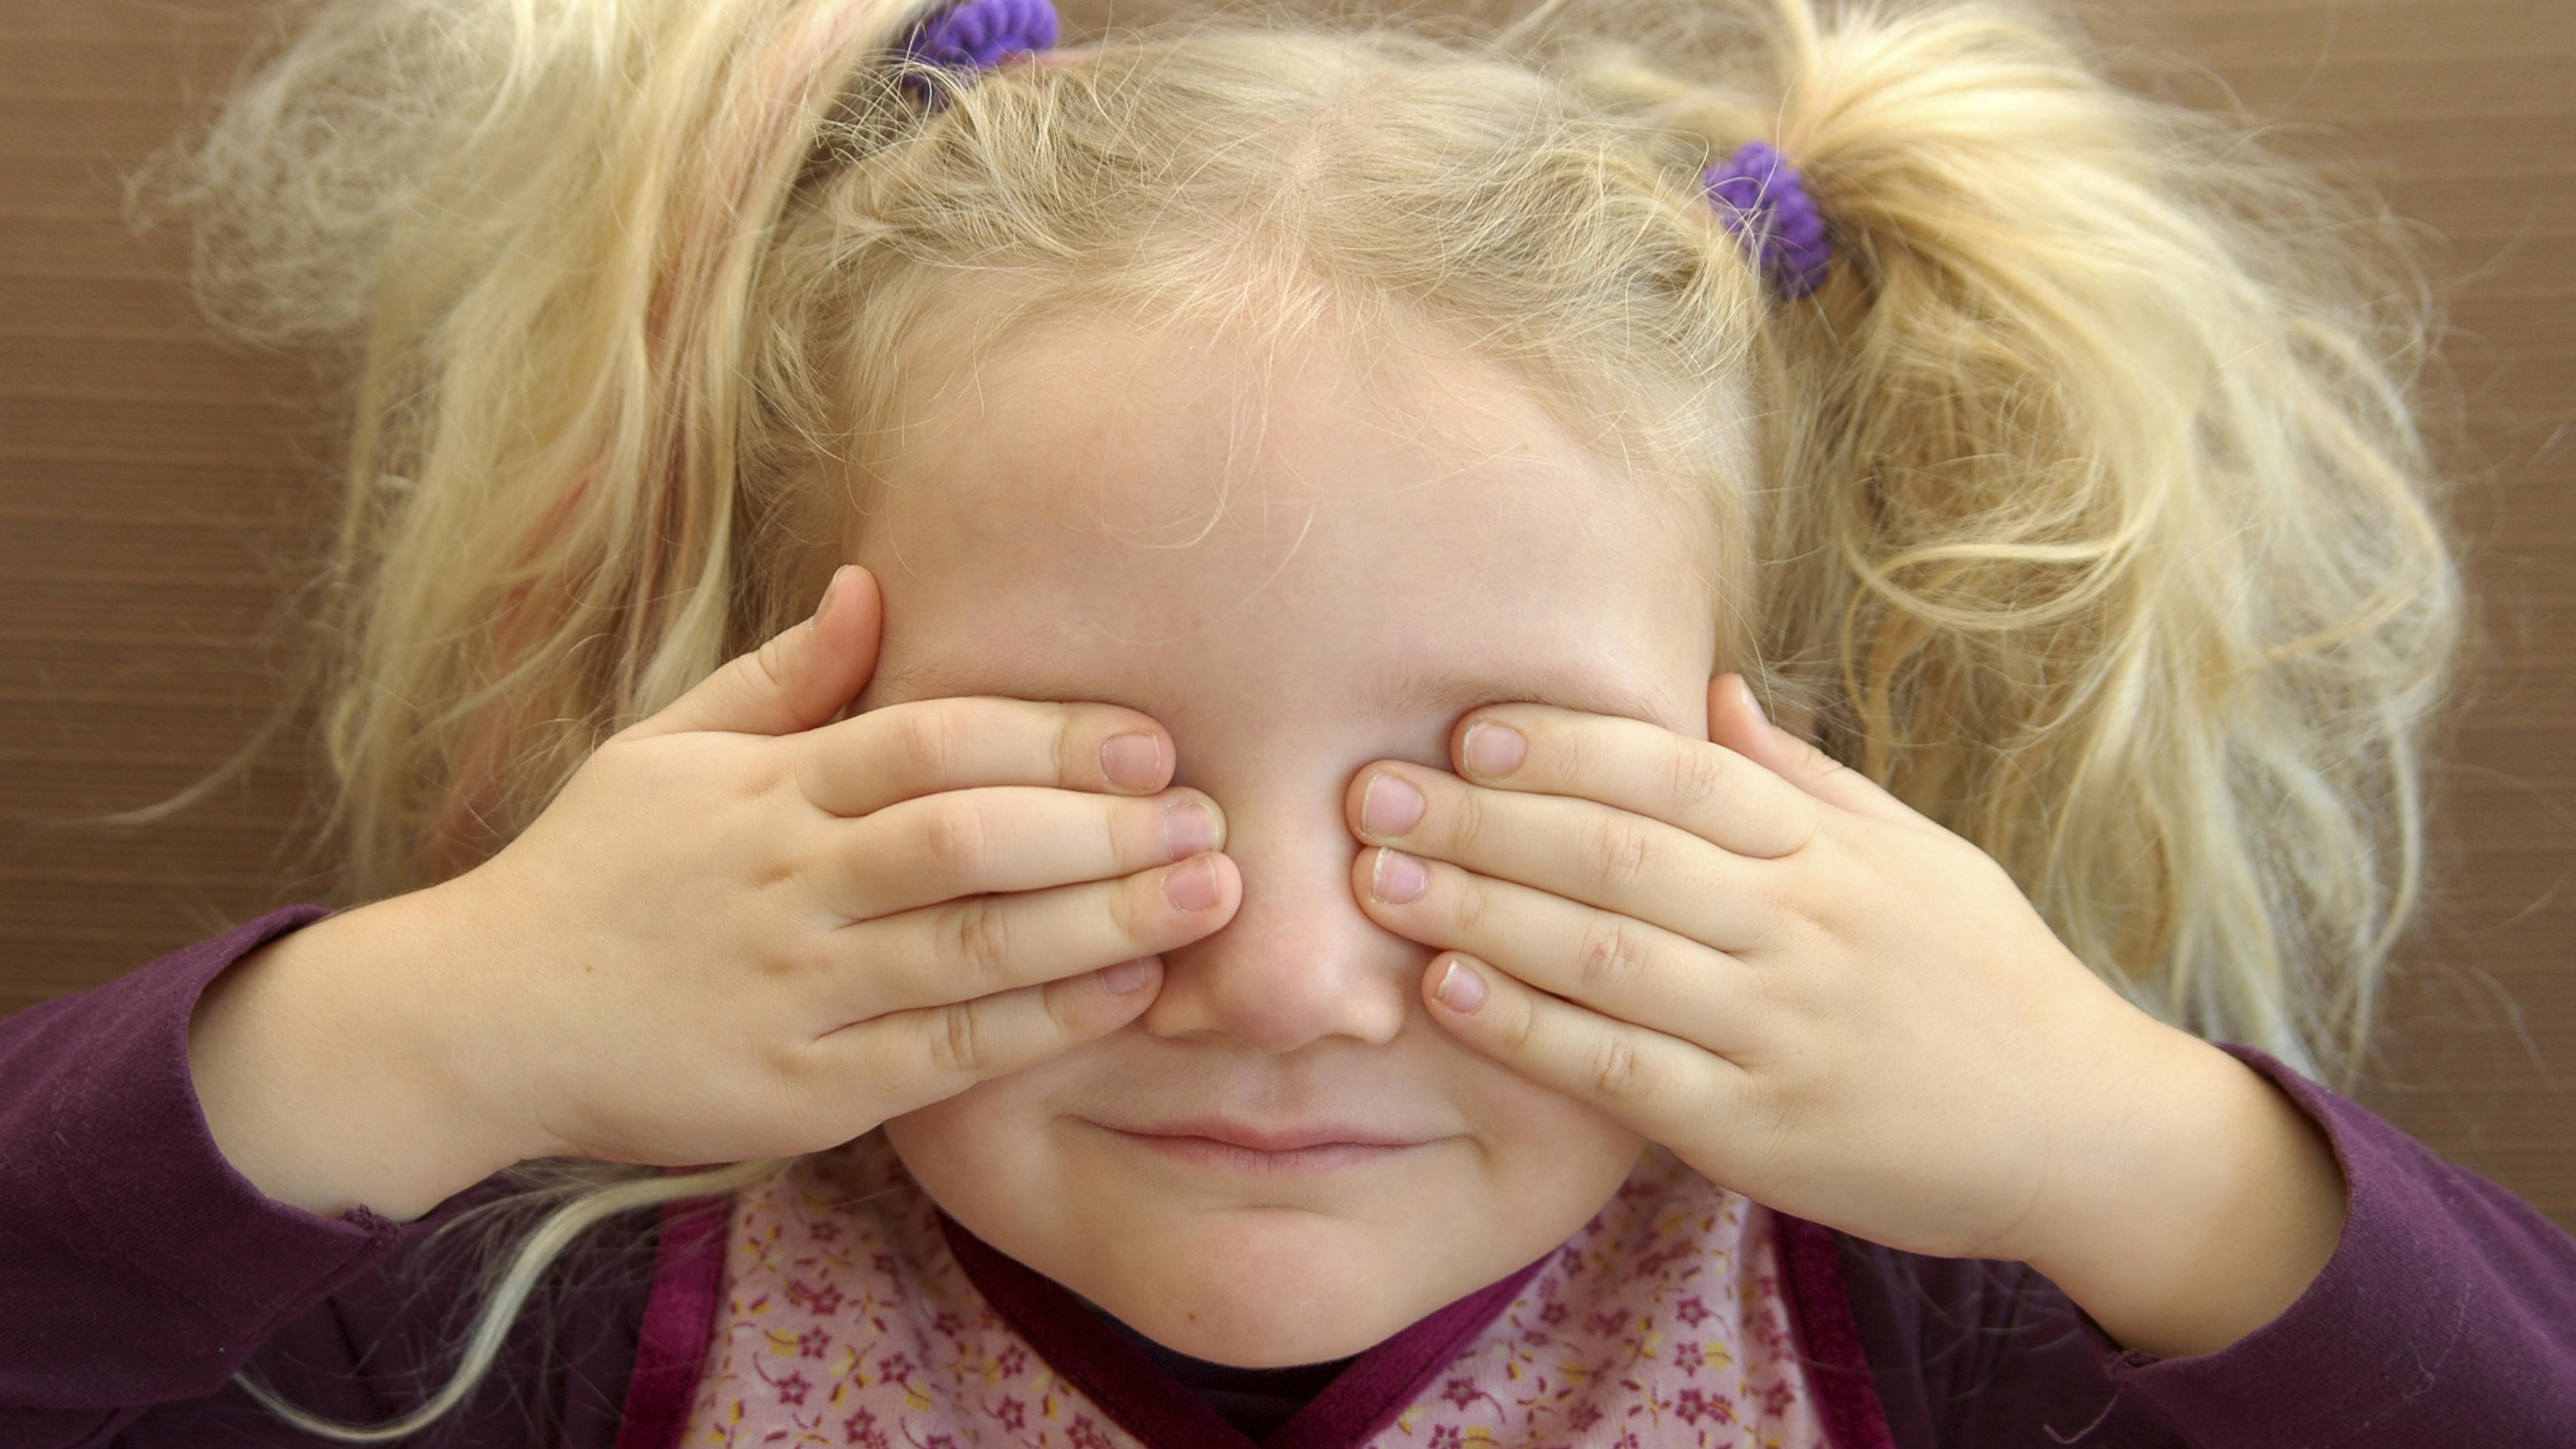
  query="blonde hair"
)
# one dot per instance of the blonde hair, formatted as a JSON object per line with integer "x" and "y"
{"x": 2086, "y": 508}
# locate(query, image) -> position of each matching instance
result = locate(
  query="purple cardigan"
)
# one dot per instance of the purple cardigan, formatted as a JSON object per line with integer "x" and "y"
{"x": 138, "y": 1272}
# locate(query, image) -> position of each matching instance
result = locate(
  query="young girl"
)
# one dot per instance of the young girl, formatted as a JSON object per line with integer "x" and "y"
{"x": 1261, "y": 906}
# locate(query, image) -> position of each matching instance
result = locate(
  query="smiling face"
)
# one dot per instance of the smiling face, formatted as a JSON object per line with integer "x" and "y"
{"x": 1297, "y": 569}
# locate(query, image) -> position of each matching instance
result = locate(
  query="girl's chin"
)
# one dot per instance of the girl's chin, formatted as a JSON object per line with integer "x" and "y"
{"x": 1267, "y": 1295}
{"x": 1253, "y": 1287}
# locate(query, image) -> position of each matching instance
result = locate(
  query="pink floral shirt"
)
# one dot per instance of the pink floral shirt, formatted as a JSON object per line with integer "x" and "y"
{"x": 853, "y": 1313}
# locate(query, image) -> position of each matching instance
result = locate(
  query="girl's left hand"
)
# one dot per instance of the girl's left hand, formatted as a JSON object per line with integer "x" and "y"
{"x": 1816, "y": 996}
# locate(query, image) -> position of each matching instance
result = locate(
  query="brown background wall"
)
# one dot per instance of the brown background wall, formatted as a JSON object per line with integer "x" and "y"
{"x": 155, "y": 490}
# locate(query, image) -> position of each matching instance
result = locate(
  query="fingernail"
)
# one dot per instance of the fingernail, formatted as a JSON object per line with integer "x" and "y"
{"x": 1123, "y": 978}
{"x": 1493, "y": 750}
{"x": 1132, "y": 762}
{"x": 1188, "y": 829}
{"x": 1460, "y": 989}
{"x": 823, "y": 605}
{"x": 1398, "y": 877}
{"x": 1192, "y": 887}
{"x": 1745, "y": 686}
{"x": 1390, "y": 805}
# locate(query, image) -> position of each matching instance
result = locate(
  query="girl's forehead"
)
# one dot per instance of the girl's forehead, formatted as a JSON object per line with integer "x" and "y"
{"x": 1162, "y": 504}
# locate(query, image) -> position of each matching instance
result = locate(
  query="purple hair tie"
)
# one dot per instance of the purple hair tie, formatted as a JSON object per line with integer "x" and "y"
{"x": 1760, "y": 197}
{"x": 977, "y": 35}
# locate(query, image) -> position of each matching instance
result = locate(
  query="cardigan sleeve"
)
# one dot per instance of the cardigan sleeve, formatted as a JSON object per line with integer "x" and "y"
{"x": 143, "y": 1271}
{"x": 2446, "y": 1315}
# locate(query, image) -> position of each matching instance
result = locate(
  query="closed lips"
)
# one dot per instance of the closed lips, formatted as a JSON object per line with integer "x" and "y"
{"x": 1291, "y": 1138}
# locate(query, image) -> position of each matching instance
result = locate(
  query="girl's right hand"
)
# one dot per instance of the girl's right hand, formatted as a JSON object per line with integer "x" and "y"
{"x": 742, "y": 931}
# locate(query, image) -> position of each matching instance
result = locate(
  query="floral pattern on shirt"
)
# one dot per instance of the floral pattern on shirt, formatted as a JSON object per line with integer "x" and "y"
{"x": 845, "y": 1321}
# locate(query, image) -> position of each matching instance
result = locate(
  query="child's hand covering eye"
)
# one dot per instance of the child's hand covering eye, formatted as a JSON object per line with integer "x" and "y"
{"x": 744, "y": 930}
{"x": 1815, "y": 995}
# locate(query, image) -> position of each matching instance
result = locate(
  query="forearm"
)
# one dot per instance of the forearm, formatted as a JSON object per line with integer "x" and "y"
{"x": 2200, "y": 1213}
{"x": 326, "y": 1066}
{"x": 140, "y": 1269}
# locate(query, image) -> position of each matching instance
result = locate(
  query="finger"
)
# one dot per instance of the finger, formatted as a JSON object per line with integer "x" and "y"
{"x": 961, "y": 950}
{"x": 911, "y": 1059}
{"x": 1712, "y": 792}
{"x": 922, "y": 747}
{"x": 799, "y": 679}
{"x": 1736, "y": 721}
{"x": 1619, "y": 966}
{"x": 1005, "y": 838}
{"x": 1575, "y": 848}
{"x": 1661, "y": 1088}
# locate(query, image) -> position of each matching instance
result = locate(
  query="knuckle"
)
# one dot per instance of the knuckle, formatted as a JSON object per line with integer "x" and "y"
{"x": 1776, "y": 1125}
{"x": 1804, "y": 755}
{"x": 812, "y": 962}
{"x": 1613, "y": 954}
{"x": 1615, "y": 1070}
{"x": 1136, "y": 905}
{"x": 1813, "y": 889}
{"x": 1471, "y": 820}
{"x": 1135, "y": 830}
{"x": 1620, "y": 855}
{"x": 955, "y": 1042}
{"x": 933, "y": 740}
{"x": 791, "y": 968}
{"x": 1568, "y": 758}
{"x": 778, "y": 873}
{"x": 1471, "y": 905}
{"x": 958, "y": 839}
{"x": 812, "y": 1095}
{"x": 1061, "y": 1017}
{"x": 979, "y": 940}
{"x": 1816, "y": 826}
{"x": 1070, "y": 766}
{"x": 1698, "y": 775}
{"x": 770, "y": 662}
{"x": 791, "y": 1075}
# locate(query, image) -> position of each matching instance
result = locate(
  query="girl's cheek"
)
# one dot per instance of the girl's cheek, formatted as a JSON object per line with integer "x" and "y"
{"x": 1521, "y": 1118}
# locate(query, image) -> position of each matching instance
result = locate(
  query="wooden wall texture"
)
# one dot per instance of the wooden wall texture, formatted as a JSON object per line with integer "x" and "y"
{"x": 158, "y": 493}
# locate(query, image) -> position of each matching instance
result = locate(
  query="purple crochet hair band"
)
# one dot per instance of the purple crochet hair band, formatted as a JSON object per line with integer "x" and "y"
{"x": 1760, "y": 197}
{"x": 977, "y": 35}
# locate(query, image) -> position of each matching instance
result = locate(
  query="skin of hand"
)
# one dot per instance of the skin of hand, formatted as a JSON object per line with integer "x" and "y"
{"x": 861, "y": 917}
{"x": 1814, "y": 995}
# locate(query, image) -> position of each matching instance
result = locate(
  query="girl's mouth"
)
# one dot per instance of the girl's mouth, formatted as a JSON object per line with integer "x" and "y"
{"x": 1222, "y": 1145}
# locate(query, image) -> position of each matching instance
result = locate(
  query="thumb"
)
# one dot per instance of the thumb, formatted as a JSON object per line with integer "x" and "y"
{"x": 798, "y": 680}
{"x": 1736, "y": 721}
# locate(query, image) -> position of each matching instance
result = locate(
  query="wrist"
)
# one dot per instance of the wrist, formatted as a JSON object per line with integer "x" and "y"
{"x": 2199, "y": 1211}
{"x": 449, "y": 1006}
{"x": 327, "y": 1065}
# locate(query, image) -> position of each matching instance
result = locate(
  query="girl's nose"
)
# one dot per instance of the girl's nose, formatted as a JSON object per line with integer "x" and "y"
{"x": 1299, "y": 962}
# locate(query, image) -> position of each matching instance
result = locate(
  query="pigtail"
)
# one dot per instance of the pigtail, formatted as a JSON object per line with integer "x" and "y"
{"x": 531, "y": 229}
{"x": 535, "y": 226}
{"x": 2107, "y": 538}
